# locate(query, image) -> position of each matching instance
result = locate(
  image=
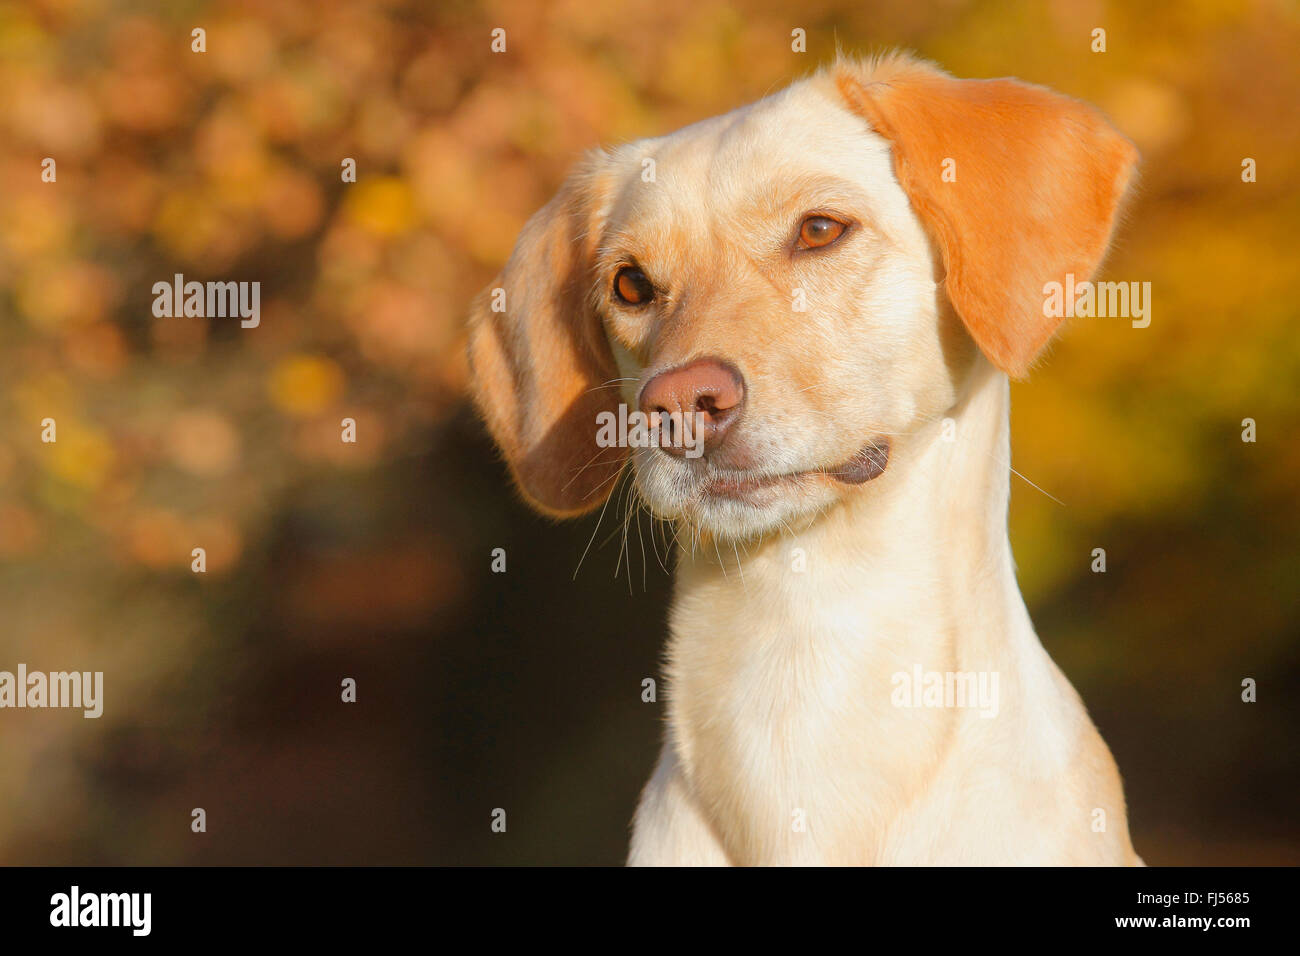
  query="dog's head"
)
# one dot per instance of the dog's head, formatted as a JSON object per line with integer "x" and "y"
{"x": 788, "y": 291}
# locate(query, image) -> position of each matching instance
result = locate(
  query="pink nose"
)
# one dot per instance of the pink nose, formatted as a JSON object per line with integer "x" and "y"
{"x": 703, "y": 397}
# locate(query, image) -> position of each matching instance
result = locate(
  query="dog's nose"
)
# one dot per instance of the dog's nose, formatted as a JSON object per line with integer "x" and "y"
{"x": 694, "y": 405}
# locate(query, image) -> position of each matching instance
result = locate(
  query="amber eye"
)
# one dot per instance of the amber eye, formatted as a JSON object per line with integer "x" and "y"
{"x": 818, "y": 231}
{"x": 632, "y": 287}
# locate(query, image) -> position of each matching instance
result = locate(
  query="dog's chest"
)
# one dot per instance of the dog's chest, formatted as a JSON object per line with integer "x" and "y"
{"x": 784, "y": 715}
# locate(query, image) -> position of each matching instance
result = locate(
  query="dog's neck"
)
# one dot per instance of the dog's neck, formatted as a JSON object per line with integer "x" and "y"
{"x": 781, "y": 658}
{"x": 785, "y": 667}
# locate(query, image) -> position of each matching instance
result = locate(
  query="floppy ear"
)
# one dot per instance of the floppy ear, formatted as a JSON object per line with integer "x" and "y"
{"x": 1037, "y": 180}
{"x": 541, "y": 368}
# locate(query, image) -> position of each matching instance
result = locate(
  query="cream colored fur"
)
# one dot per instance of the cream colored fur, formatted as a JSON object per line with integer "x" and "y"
{"x": 781, "y": 693}
{"x": 797, "y": 605}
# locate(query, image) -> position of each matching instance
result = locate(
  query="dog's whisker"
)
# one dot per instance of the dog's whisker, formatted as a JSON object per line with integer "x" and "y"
{"x": 596, "y": 530}
{"x": 612, "y": 383}
{"x": 739, "y": 567}
{"x": 590, "y": 462}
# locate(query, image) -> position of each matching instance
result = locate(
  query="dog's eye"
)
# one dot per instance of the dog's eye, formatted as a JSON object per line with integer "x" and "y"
{"x": 632, "y": 286}
{"x": 818, "y": 231}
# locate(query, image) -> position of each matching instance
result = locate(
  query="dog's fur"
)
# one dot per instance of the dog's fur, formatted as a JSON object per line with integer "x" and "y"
{"x": 784, "y": 744}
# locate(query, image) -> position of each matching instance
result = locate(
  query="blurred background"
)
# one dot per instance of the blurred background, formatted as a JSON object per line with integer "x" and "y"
{"x": 371, "y": 560}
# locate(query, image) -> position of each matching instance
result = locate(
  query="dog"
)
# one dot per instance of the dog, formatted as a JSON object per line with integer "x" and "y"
{"x": 833, "y": 285}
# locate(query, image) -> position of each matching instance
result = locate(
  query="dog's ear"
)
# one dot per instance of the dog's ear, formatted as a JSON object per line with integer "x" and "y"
{"x": 1018, "y": 186}
{"x": 541, "y": 367}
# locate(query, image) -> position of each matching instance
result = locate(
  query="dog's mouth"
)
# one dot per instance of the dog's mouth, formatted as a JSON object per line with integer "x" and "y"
{"x": 870, "y": 462}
